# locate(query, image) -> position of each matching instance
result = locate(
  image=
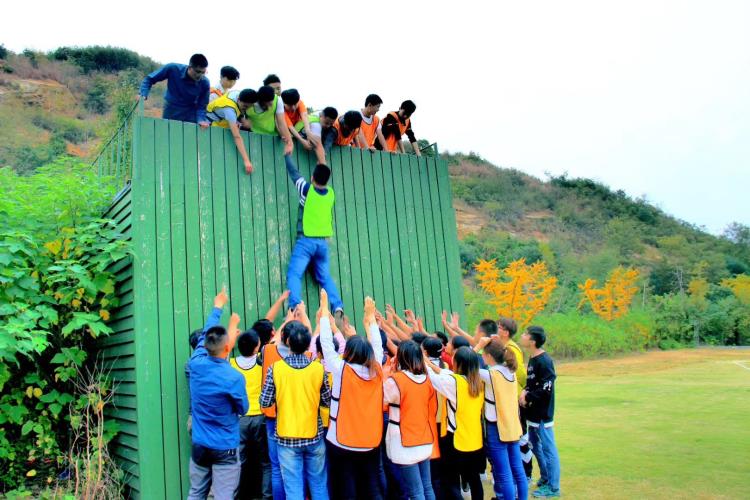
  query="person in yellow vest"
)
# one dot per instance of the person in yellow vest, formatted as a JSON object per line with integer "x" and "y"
{"x": 503, "y": 421}
{"x": 464, "y": 390}
{"x": 226, "y": 111}
{"x": 395, "y": 125}
{"x": 255, "y": 477}
{"x": 370, "y": 128}
{"x": 228, "y": 78}
{"x": 356, "y": 420}
{"x": 266, "y": 116}
{"x": 298, "y": 387}
{"x": 412, "y": 402}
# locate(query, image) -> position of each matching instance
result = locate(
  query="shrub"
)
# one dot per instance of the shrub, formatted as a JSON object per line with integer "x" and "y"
{"x": 97, "y": 97}
{"x": 3, "y": 51}
{"x": 99, "y": 58}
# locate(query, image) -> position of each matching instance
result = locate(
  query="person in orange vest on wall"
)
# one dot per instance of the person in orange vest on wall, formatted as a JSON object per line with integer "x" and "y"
{"x": 412, "y": 403}
{"x": 396, "y": 124}
{"x": 297, "y": 120}
{"x": 347, "y": 127}
{"x": 298, "y": 388}
{"x": 229, "y": 77}
{"x": 370, "y": 129}
{"x": 356, "y": 418}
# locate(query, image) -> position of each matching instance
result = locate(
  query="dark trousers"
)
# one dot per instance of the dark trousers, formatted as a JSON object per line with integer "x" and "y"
{"x": 525, "y": 447}
{"x": 354, "y": 474}
{"x": 459, "y": 465}
{"x": 255, "y": 478}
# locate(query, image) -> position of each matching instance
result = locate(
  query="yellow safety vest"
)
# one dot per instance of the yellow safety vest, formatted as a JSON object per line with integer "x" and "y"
{"x": 223, "y": 102}
{"x": 297, "y": 399}
{"x": 253, "y": 383}
{"x": 325, "y": 413}
{"x": 521, "y": 369}
{"x": 506, "y": 406}
{"x": 467, "y": 436}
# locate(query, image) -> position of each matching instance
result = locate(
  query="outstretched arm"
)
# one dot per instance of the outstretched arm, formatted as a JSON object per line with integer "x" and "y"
{"x": 283, "y": 129}
{"x": 239, "y": 143}
{"x": 276, "y": 307}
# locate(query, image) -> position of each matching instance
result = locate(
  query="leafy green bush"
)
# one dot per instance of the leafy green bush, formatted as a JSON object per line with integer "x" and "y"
{"x": 69, "y": 129}
{"x": 97, "y": 97}
{"x": 100, "y": 58}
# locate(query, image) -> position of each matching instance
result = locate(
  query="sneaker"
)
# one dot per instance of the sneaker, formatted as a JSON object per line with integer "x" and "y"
{"x": 338, "y": 318}
{"x": 546, "y": 492}
{"x": 541, "y": 482}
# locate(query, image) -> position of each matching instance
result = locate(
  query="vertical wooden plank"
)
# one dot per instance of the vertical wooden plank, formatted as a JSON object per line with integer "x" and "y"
{"x": 441, "y": 270}
{"x": 259, "y": 226}
{"x": 362, "y": 203}
{"x": 284, "y": 210}
{"x": 166, "y": 335}
{"x": 402, "y": 196}
{"x": 451, "y": 241}
{"x": 272, "y": 222}
{"x": 411, "y": 231}
{"x": 247, "y": 237}
{"x": 218, "y": 181}
{"x": 381, "y": 238}
{"x": 394, "y": 225}
{"x": 423, "y": 236}
{"x": 191, "y": 169}
{"x": 372, "y": 235}
{"x": 354, "y": 310}
{"x": 341, "y": 228}
{"x": 148, "y": 376}
{"x": 206, "y": 218}
{"x": 232, "y": 169}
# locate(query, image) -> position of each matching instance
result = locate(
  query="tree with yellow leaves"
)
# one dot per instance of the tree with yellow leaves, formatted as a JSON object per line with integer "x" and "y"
{"x": 740, "y": 286}
{"x": 614, "y": 298}
{"x": 520, "y": 291}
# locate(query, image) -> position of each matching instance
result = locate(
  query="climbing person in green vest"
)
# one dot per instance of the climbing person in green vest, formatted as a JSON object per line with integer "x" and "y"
{"x": 226, "y": 110}
{"x": 266, "y": 116}
{"x": 314, "y": 226}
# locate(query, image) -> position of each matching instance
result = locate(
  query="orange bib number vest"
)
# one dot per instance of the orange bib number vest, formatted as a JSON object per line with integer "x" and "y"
{"x": 370, "y": 131}
{"x": 417, "y": 406}
{"x": 342, "y": 140}
{"x": 391, "y": 142}
{"x": 359, "y": 417}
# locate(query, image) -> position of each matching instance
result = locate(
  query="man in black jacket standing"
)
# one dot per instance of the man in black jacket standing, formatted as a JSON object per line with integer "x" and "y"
{"x": 538, "y": 399}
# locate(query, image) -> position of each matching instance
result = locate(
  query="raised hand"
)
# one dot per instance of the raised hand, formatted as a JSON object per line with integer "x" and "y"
{"x": 454, "y": 320}
{"x": 221, "y": 298}
{"x": 444, "y": 318}
{"x": 369, "y": 316}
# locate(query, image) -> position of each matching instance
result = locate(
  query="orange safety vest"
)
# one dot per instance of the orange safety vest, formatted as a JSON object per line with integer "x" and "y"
{"x": 370, "y": 131}
{"x": 359, "y": 421}
{"x": 342, "y": 140}
{"x": 270, "y": 356}
{"x": 391, "y": 142}
{"x": 417, "y": 405}
{"x": 217, "y": 92}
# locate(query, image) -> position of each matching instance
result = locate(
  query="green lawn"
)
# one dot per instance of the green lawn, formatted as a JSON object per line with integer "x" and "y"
{"x": 657, "y": 425}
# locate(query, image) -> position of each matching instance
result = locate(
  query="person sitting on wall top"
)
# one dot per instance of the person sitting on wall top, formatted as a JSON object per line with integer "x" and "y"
{"x": 295, "y": 113}
{"x": 370, "y": 129}
{"x": 226, "y": 110}
{"x": 398, "y": 123}
{"x": 266, "y": 116}
{"x": 229, "y": 77}
{"x": 187, "y": 90}
{"x": 348, "y": 129}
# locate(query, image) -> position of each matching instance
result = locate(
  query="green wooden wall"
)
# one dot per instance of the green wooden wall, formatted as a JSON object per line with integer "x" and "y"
{"x": 199, "y": 222}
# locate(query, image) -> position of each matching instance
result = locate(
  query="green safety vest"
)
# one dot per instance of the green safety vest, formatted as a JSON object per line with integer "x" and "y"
{"x": 317, "y": 215}
{"x": 265, "y": 122}
{"x": 300, "y": 124}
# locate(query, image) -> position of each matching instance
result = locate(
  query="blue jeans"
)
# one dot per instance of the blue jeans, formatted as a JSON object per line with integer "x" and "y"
{"x": 311, "y": 250}
{"x": 304, "y": 468}
{"x": 507, "y": 465}
{"x": 415, "y": 481}
{"x": 277, "y": 484}
{"x": 542, "y": 440}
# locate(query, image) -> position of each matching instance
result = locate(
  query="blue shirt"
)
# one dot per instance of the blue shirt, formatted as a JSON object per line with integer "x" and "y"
{"x": 185, "y": 99}
{"x": 217, "y": 396}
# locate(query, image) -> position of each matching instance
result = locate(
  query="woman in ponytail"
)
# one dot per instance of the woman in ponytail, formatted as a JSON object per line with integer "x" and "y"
{"x": 464, "y": 391}
{"x": 503, "y": 422}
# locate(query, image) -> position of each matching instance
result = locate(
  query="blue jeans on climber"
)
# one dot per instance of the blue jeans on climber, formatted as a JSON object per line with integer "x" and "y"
{"x": 306, "y": 252}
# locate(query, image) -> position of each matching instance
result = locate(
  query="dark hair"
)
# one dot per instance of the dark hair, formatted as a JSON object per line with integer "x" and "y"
{"x": 419, "y": 337}
{"x": 501, "y": 355}
{"x": 352, "y": 119}
{"x": 537, "y": 335}
{"x": 271, "y": 79}
{"x": 198, "y": 61}
{"x": 409, "y": 107}
{"x": 216, "y": 338}
{"x": 459, "y": 341}
{"x": 330, "y": 112}
{"x": 509, "y": 325}
{"x": 432, "y": 346}
{"x": 249, "y": 96}
{"x": 488, "y": 327}
{"x": 247, "y": 342}
{"x": 373, "y": 99}
{"x": 319, "y": 347}
{"x": 358, "y": 351}
{"x": 194, "y": 336}
{"x": 290, "y": 96}
{"x": 443, "y": 337}
{"x": 321, "y": 174}
{"x": 265, "y": 94}
{"x": 298, "y": 337}
{"x": 466, "y": 363}
{"x": 264, "y": 329}
{"x": 410, "y": 357}
{"x": 230, "y": 72}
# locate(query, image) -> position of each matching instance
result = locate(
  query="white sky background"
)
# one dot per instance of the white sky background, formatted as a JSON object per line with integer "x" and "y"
{"x": 652, "y": 97}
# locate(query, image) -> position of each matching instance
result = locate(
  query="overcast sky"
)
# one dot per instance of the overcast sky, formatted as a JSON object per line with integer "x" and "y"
{"x": 652, "y": 97}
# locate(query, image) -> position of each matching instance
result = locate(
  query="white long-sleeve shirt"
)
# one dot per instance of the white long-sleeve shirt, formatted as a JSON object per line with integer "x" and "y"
{"x": 397, "y": 452}
{"x": 490, "y": 411}
{"x": 335, "y": 364}
{"x": 445, "y": 385}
